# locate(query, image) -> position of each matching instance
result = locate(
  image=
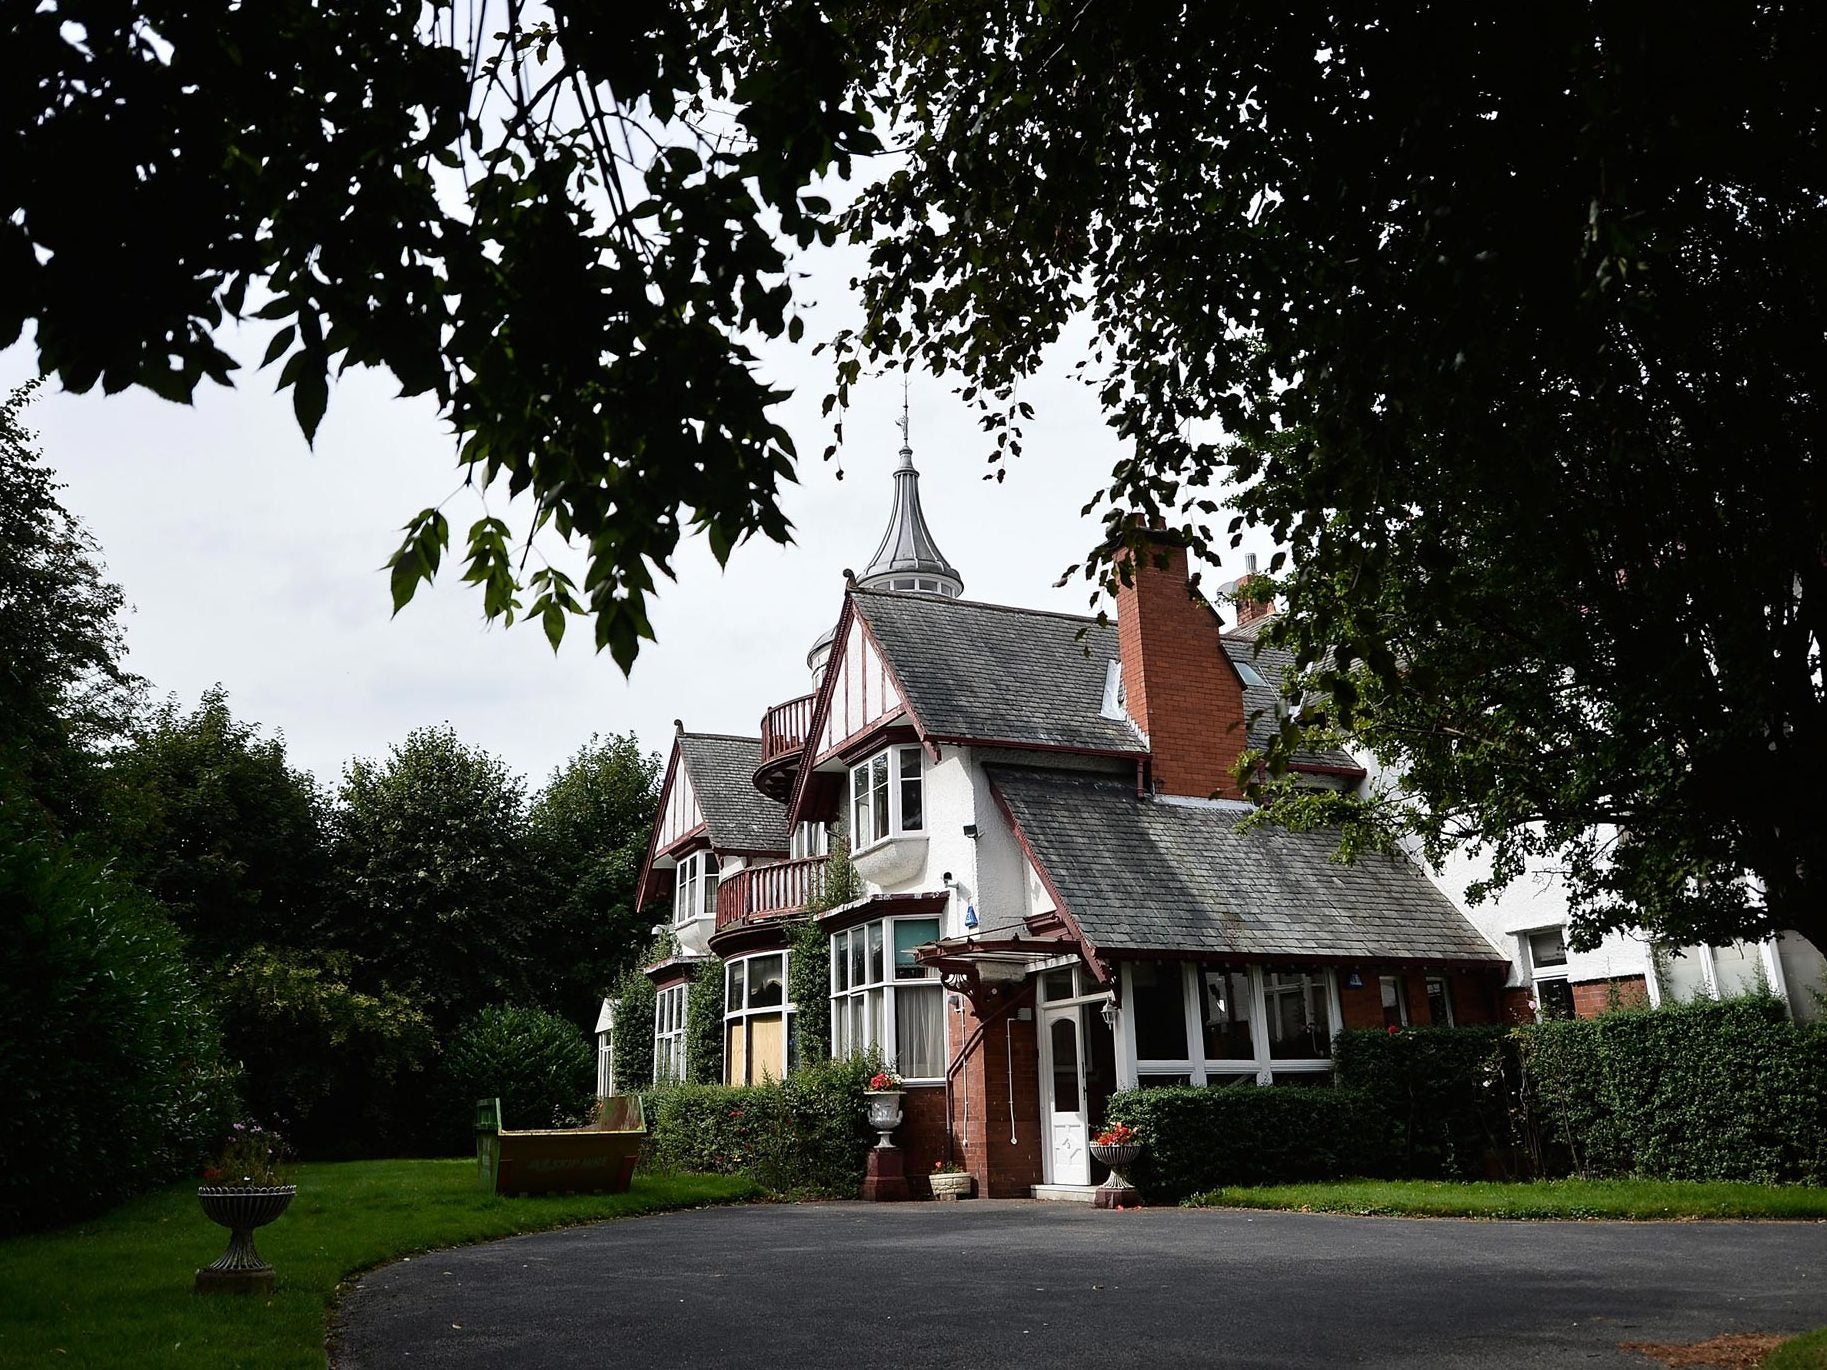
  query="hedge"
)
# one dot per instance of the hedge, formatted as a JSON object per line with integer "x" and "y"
{"x": 1728, "y": 1090}
{"x": 803, "y": 1136}
{"x": 111, "y": 1060}
{"x": 1199, "y": 1139}
{"x": 537, "y": 1064}
{"x": 1447, "y": 1093}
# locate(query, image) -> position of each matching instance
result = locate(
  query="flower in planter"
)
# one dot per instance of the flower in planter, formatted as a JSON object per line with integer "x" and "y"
{"x": 252, "y": 1157}
{"x": 947, "y": 1168}
{"x": 1117, "y": 1134}
{"x": 884, "y": 1080}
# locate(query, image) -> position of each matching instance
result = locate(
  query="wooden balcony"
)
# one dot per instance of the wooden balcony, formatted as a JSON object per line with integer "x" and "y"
{"x": 783, "y": 738}
{"x": 768, "y": 891}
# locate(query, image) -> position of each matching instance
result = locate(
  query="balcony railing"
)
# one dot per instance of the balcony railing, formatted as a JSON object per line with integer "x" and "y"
{"x": 783, "y": 738}
{"x": 760, "y": 891}
{"x": 784, "y": 728}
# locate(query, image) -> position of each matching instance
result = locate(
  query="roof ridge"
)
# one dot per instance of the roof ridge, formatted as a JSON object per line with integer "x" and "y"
{"x": 723, "y": 737}
{"x": 982, "y": 604}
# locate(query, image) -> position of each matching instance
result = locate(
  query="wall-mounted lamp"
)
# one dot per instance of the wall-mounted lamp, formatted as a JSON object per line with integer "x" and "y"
{"x": 970, "y": 831}
{"x": 1109, "y": 1013}
{"x": 1354, "y": 981}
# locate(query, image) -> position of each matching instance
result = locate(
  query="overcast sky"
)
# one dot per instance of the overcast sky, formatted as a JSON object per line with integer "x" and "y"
{"x": 250, "y": 560}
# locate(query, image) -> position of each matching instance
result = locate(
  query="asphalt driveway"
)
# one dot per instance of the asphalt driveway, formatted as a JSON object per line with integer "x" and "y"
{"x": 1012, "y": 1285}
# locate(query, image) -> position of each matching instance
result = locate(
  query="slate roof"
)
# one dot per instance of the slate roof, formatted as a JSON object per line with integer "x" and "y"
{"x": 738, "y": 816}
{"x": 997, "y": 673}
{"x": 1259, "y": 701}
{"x": 1154, "y": 875}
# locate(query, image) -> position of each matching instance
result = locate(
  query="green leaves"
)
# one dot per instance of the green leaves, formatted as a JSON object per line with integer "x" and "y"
{"x": 417, "y": 559}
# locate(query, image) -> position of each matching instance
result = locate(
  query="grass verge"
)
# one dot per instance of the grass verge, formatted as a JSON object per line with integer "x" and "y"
{"x": 1647, "y": 1199}
{"x": 117, "y": 1290}
{"x": 1806, "y": 1352}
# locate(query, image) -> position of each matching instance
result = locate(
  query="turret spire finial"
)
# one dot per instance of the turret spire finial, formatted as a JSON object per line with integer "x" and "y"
{"x": 906, "y": 441}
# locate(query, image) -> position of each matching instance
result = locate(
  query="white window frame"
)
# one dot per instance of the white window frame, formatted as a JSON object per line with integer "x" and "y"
{"x": 874, "y": 1025}
{"x": 694, "y": 887}
{"x": 895, "y": 762}
{"x": 1197, "y": 1067}
{"x": 1400, "y": 983}
{"x": 785, "y": 1010}
{"x": 669, "y": 1033}
{"x": 1539, "y": 975}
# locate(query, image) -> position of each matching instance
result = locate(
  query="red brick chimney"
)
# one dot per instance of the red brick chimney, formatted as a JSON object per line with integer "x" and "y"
{"x": 1249, "y": 610}
{"x": 1178, "y": 684}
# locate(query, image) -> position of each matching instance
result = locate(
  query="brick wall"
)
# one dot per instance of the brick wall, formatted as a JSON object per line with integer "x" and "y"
{"x": 921, "y": 1135}
{"x": 1473, "y": 993}
{"x": 981, "y": 1092}
{"x": 1593, "y": 997}
{"x": 1518, "y": 1006}
{"x": 1179, "y": 686}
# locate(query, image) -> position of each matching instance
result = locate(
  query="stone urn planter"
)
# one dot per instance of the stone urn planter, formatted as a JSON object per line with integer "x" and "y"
{"x": 884, "y": 1112}
{"x": 952, "y": 1185}
{"x": 1117, "y": 1192}
{"x": 241, "y": 1209}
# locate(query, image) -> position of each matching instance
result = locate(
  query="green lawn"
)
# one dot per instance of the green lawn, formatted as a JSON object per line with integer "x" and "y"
{"x": 117, "y": 1290}
{"x": 1541, "y": 1199}
{"x": 1806, "y": 1352}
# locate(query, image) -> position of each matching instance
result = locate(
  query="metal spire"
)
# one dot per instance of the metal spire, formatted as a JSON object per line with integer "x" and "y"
{"x": 908, "y": 554}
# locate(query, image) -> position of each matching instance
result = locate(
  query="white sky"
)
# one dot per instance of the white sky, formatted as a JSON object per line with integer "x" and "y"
{"x": 252, "y": 561}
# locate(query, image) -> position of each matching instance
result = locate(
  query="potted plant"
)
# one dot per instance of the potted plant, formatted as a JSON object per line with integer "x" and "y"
{"x": 949, "y": 1181}
{"x": 244, "y": 1189}
{"x": 883, "y": 1093}
{"x": 1117, "y": 1146}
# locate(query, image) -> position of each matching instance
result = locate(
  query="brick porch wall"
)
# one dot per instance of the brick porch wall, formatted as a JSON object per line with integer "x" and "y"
{"x": 1474, "y": 996}
{"x": 981, "y": 1125}
{"x": 1593, "y": 997}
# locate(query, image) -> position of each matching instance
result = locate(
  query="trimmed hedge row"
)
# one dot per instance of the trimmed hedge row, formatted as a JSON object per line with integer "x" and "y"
{"x": 1731, "y": 1090}
{"x": 1448, "y": 1094}
{"x": 803, "y": 1136}
{"x": 1710, "y": 1090}
{"x": 1200, "y": 1139}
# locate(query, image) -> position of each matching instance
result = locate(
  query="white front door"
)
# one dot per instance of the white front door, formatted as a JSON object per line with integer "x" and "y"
{"x": 1063, "y": 1083}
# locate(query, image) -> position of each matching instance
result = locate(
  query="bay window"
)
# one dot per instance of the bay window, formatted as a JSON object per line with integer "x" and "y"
{"x": 1248, "y": 1022}
{"x": 694, "y": 890}
{"x": 887, "y": 796}
{"x": 757, "y": 1019}
{"x": 881, "y": 998}
{"x": 669, "y": 1034}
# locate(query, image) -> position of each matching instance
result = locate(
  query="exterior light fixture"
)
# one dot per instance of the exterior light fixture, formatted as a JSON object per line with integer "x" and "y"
{"x": 1109, "y": 1012}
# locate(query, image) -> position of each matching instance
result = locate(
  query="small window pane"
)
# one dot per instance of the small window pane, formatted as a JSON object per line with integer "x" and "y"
{"x": 1555, "y": 998}
{"x": 919, "y": 1031}
{"x": 732, "y": 999}
{"x": 857, "y": 969}
{"x": 766, "y": 982}
{"x": 1056, "y": 984}
{"x": 908, "y": 934}
{"x": 878, "y": 796}
{"x": 840, "y": 962}
{"x": 1162, "y": 1081}
{"x": 1160, "y": 1010}
{"x": 1064, "y": 1039}
{"x": 913, "y": 812}
{"x": 1548, "y": 947}
{"x": 1439, "y": 1002}
{"x": 875, "y": 954}
{"x": 1226, "y": 1015}
{"x": 1395, "y": 1000}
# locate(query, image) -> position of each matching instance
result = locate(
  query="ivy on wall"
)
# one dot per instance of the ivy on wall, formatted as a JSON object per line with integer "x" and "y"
{"x": 704, "y": 1023}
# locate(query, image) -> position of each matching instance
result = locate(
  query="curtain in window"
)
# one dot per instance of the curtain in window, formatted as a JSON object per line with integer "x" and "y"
{"x": 919, "y": 1029}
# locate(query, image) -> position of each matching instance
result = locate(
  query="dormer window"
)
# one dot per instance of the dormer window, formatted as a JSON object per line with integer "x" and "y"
{"x": 887, "y": 797}
{"x": 694, "y": 889}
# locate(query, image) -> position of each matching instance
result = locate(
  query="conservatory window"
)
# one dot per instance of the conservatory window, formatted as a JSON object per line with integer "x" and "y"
{"x": 881, "y": 998}
{"x": 1249, "y": 1024}
{"x": 669, "y": 1034}
{"x": 757, "y": 1019}
{"x": 1439, "y": 1001}
{"x": 887, "y": 796}
{"x": 1395, "y": 1001}
{"x": 694, "y": 892}
{"x": 1298, "y": 1005}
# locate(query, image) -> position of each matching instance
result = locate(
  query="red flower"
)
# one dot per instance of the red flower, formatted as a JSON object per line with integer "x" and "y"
{"x": 1394, "y": 1028}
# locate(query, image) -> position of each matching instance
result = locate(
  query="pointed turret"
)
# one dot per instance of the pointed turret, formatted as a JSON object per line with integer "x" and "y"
{"x": 908, "y": 558}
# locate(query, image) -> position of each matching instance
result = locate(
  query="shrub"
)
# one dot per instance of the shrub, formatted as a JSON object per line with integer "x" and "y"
{"x": 809, "y": 974}
{"x": 1198, "y": 1139}
{"x": 346, "y": 1073}
{"x": 110, "y": 1059}
{"x": 537, "y": 1064}
{"x": 632, "y": 1040}
{"x": 1444, "y": 1089}
{"x": 704, "y": 1023}
{"x": 1728, "y": 1090}
{"x": 804, "y": 1135}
